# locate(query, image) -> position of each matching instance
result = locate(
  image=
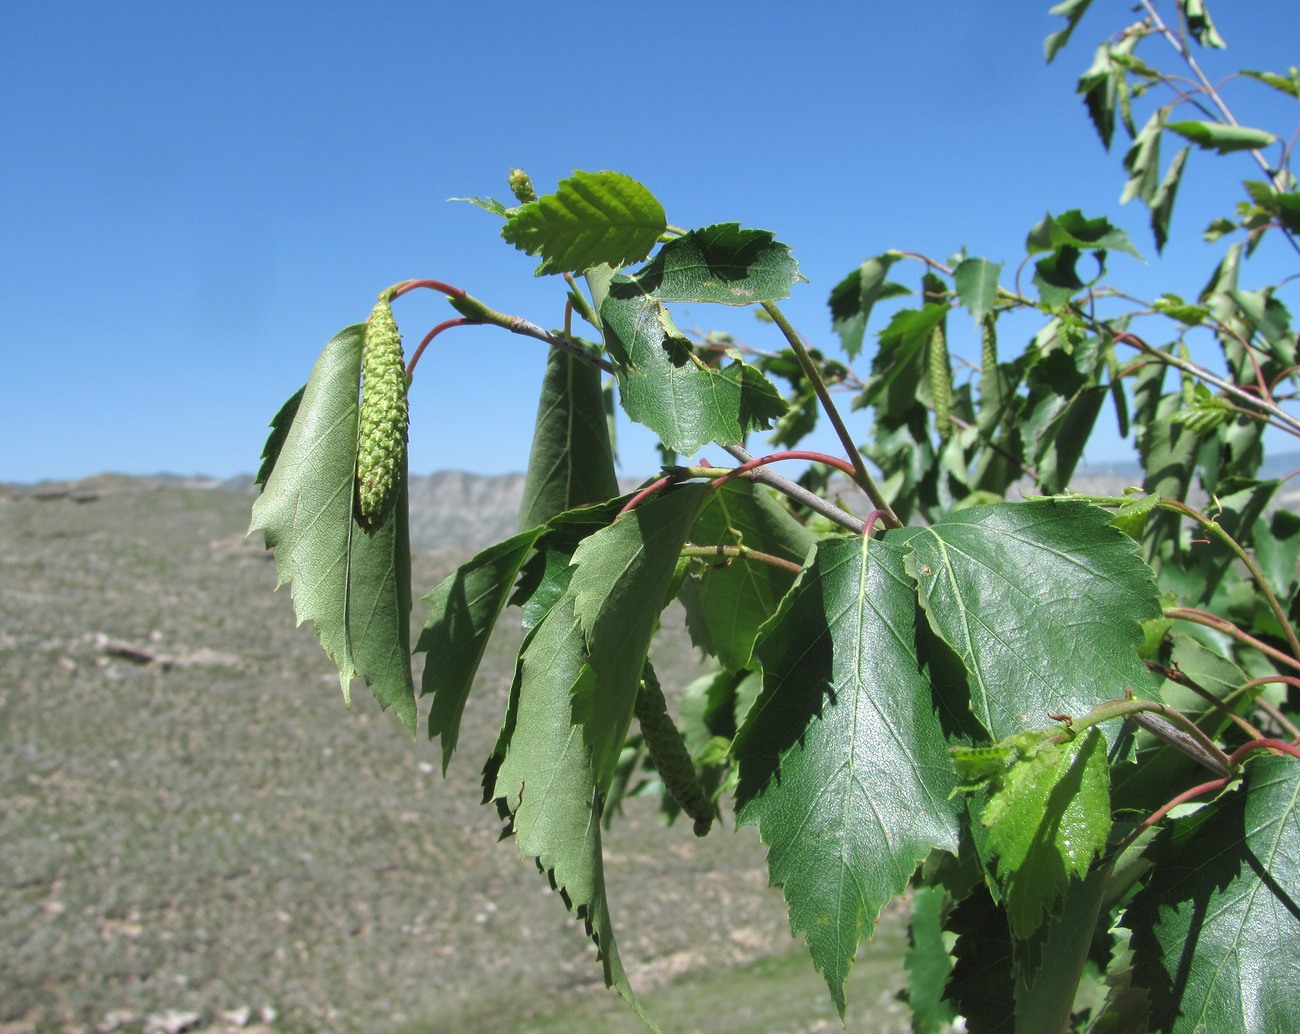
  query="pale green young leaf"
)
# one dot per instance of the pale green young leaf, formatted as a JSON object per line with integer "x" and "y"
{"x": 351, "y": 585}
{"x": 853, "y": 297}
{"x": 1216, "y": 937}
{"x": 669, "y": 389}
{"x": 725, "y": 264}
{"x": 489, "y": 204}
{"x": 845, "y": 740}
{"x": 620, "y": 583}
{"x": 1224, "y": 139}
{"x": 542, "y": 780}
{"x": 464, "y": 608}
{"x": 1042, "y": 602}
{"x": 572, "y": 462}
{"x": 726, "y": 603}
{"x": 1047, "y": 819}
{"x": 593, "y": 218}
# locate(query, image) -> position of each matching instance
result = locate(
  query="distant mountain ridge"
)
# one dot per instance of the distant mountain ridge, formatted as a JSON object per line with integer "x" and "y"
{"x": 457, "y": 510}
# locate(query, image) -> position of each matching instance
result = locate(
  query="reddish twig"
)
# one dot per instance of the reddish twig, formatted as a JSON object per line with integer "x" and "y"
{"x": 406, "y": 286}
{"x": 459, "y": 321}
{"x": 654, "y": 488}
{"x": 791, "y": 454}
{"x": 1267, "y": 743}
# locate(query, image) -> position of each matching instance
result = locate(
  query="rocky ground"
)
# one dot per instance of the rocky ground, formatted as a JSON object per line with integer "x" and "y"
{"x": 197, "y": 836}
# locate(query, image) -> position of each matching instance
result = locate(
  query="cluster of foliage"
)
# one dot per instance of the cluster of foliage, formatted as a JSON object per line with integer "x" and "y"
{"x": 1063, "y": 726}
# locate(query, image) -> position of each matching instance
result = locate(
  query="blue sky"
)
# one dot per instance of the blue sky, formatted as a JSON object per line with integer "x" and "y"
{"x": 196, "y": 197}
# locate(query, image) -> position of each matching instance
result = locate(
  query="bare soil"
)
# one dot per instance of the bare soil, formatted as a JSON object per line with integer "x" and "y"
{"x": 193, "y": 830}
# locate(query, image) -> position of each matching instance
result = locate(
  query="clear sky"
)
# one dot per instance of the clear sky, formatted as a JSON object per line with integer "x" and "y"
{"x": 195, "y": 197}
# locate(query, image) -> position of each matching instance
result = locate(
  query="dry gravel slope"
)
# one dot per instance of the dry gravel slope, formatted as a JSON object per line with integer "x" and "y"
{"x": 190, "y": 821}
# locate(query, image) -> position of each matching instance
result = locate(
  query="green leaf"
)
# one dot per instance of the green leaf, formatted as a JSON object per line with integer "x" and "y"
{"x": 572, "y": 462}
{"x": 465, "y": 608}
{"x": 1041, "y": 601}
{"x": 621, "y": 577}
{"x": 843, "y": 763}
{"x": 592, "y": 218}
{"x": 542, "y": 779}
{"x": 1073, "y": 230}
{"x": 896, "y": 368}
{"x": 1103, "y": 85}
{"x": 1216, "y": 934}
{"x": 1286, "y": 84}
{"x": 280, "y": 425}
{"x": 853, "y": 297}
{"x": 354, "y": 587}
{"x": 1143, "y": 160}
{"x": 1175, "y": 308}
{"x": 1047, "y": 820}
{"x": 928, "y": 963}
{"x": 666, "y": 386}
{"x": 489, "y": 204}
{"x": 545, "y": 576}
{"x": 726, "y": 603}
{"x": 1046, "y": 997}
{"x": 1162, "y": 201}
{"x": 1200, "y": 25}
{"x": 1215, "y": 136}
{"x": 1064, "y": 401}
{"x": 1072, "y": 11}
{"x": 982, "y": 987}
{"x": 724, "y": 264}
{"x": 976, "y": 281}
{"x": 1284, "y": 207}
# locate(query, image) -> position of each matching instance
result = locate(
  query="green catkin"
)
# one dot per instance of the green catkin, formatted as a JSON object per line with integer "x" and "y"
{"x": 381, "y": 432}
{"x": 989, "y": 345}
{"x": 941, "y": 383}
{"x": 668, "y": 751}
{"x": 521, "y": 186}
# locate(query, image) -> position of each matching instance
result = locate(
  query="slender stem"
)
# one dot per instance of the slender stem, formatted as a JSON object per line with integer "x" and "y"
{"x": 1201, "y": 617}
{"x": 406, "y": 286}
{"x": 863, "y": 479}
{"x": 1221, "y": 706}
{"x": 1253, "y": 402}
{"x": 654, "y": 488}
{"x": 469, "y": 306}
{"x": 1280, "y": 746}
{"x": 792, "y": 454}
{"x": 1171, "y": 726}
{"x": 419, "y": 351}
{"x": 1214, "y": 785}
{"x": 1261, "y": 581}
{"x": 741, "y": 553}
{"x": 795, "y": 491}
{"x": 1267, "y": 707}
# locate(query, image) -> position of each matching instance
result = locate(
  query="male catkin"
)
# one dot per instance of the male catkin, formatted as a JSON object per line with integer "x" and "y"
{"x": 381, "y": 432}
{"x": 668, "y": 752}
{"x": 941, "y": 382}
